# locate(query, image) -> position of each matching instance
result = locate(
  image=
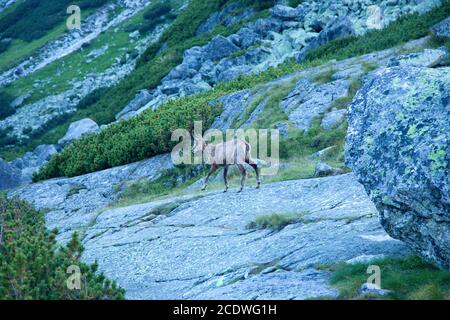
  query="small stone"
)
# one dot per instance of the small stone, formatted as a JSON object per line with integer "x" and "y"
{"x": 324, "y": 170}
{"x": 372, "y": 289}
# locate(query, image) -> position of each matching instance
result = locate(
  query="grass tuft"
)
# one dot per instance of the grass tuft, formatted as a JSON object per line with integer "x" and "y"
{"x": 409, "y": 278}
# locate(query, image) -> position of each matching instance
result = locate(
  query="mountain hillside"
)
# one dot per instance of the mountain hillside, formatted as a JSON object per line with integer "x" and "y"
{"x": 86, "y": 119}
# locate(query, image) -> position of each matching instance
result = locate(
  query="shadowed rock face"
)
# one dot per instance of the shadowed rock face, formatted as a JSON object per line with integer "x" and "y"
{"x": 10, "y": 176}
{"x": 398, "y": 146}
{"x": 442, "y": 29}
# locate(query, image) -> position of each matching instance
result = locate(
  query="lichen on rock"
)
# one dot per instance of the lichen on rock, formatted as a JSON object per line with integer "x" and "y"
{"x": 404, "y": 112}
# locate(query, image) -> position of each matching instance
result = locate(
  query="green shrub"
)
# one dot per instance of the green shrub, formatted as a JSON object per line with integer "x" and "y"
{"x": 33, "y": 266}
{"x": 294, "y": 3}
{"x": 4, "y": 46}
{"x": 139, "y": 138}
{"x": 92, "y": 98}
{"x": 157, "y": 10}
{"x": 5, "y": 138}
{"x": 5, "y": 105}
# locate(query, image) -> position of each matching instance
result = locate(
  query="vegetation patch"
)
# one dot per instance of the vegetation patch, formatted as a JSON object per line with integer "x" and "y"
{"x": 5, "y": 105}
{"x": 33, "y": 266}
{"x": 276, "y": 221}
{"x": 168, "y": 184}
{"x": 408, "y": 278}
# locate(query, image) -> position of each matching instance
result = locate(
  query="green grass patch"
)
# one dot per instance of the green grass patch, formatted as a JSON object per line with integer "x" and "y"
{"x": 168, "y": 184}
{"x": 408, "y": 278}
{"x": 276, "y": 221}
{"x": 325, "y": 76}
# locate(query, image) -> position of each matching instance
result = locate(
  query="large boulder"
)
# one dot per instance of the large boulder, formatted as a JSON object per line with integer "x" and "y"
{"x": 337, "y": 28}
{"x": 398, "y": 145}
{"x": 78, "y": 129}
{"x": 10, "y": 176}
{"x": 287, "y": 13}
{"x": 33, "y": 161}
{"x": 140, "y": 100}
{"x": 426, "y": 58}
{"x": 219, "y": 47}
{"x": 442, "y": 29}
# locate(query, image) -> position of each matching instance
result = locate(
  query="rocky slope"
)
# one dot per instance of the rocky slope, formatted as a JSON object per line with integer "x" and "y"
{"x": 159, "y": 233}
{"x": 206, "y": 237}
{"x": 286, "y": 33}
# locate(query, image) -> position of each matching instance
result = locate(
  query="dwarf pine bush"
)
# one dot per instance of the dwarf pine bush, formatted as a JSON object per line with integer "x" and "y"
{"x": 33, "y": 266}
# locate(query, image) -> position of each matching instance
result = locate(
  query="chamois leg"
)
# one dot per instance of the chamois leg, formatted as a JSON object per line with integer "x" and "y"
{"x": 244, "y": 176}
{"x": 258, "y": 178}
{"x": 225, "y": 177}
{"x": 211, "y": 171}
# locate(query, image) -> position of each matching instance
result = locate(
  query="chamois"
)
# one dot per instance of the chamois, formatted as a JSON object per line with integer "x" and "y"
{"x": 224, "y": 154}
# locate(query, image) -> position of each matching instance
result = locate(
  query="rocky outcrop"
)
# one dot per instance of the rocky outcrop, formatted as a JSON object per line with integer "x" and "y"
{"x": 398, "y": 146}
{"x": 312, "y": 93}
{"x": 333, "y": 118}
{"x": 10, "y": 176}
{"x": 77, "y": 200}
{"x": 337, "y": 28}
{"x": 140, "y": 100}
{"x": 231, "y": 14}
{"x": 207, "y": 238}
{"x": 78, "y": 129}
{"x": 442, "y": 29}
{"x": 286, "y": 33}
{"x": 309, "y": 99}
{"x": 31, "y": 162}
{"x": 426, "y": 58}
{"x": 324, "y": 170}
{"x": 287, "y": 13}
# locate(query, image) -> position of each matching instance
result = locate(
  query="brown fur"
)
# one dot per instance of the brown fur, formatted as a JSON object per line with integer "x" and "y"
{"x": 234, "y": 152}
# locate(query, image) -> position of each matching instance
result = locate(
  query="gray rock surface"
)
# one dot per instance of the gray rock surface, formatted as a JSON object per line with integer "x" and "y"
{"x": 336, "y": 28}
{"x": 323, "y": 170}
{"x": 426, "y": 58}
{"x": 309, "y": 99}
{"x": 141, "y": 99}
{"x": 288, "y": 13}
{"x": 442, "y": 29}
{"x": 220, "y": 47}
{"x": 10, "y": 176}
{"x": 78, "y": 129}
{"x": 206, "y": 237}
{"x": 398, "y": 146}
{"x": 372, "y": 289}
{"x": 31, "y": 162}
{"x": 72, "y": 203}
{"x": 333, "y": 118}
